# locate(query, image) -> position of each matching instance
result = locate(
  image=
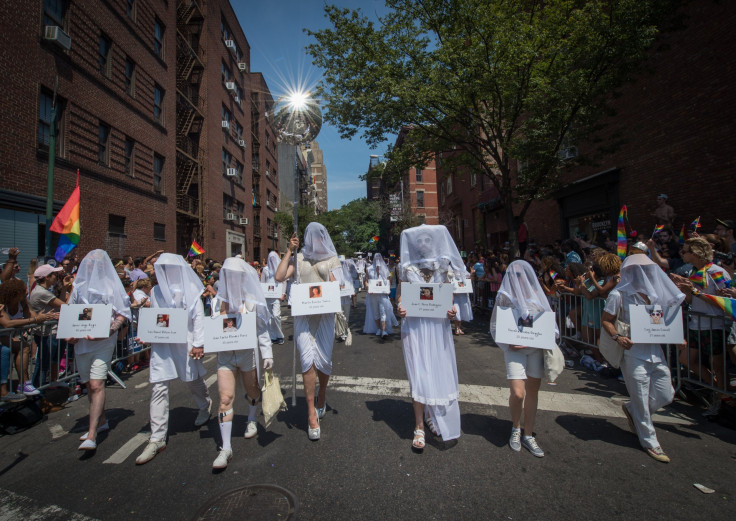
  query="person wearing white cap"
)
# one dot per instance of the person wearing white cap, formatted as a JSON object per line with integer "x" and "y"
{"x": 428, "y": 254}
{"x": 644, "y": 366}
{"x": 97, "y": 282}
{"x": 178, "y": 287}
{"x": 315, "y": 334}
{"x": 268, "y": 274}
{"x": 240, "y": 291}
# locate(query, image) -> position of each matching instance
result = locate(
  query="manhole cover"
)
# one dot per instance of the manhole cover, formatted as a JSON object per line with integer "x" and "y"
{"x": 251, "y": 503}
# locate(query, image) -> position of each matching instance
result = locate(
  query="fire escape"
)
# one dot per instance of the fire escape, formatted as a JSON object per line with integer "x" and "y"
{"x": 190, "y": 108}
{"x": 256, "y": 165}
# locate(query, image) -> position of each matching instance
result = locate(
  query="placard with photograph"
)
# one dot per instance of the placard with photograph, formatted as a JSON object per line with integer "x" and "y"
{"x": 315, "y": 298}
{"x": 272, "y": 289}
{"x": 426, "y": 300}
{"x": 231, "y": 332}
{"x": 655, "y": 325}
{"x": 463, "y": 286}
{"x": 537, "y": 330}
{"x": 162, "y": 325}
{"x": 377, "y": 286}
{"x": 347, "y": 289}
{"x": 83, "y": 320}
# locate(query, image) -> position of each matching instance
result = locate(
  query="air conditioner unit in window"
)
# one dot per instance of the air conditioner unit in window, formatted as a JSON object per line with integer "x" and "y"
{"x": 275, "y": 235}
{"x": 236, "y": 98}
{"x": 230, "y": 217}
{"x": 243, "y": 220}
{"x": 232, "y": 172}
{"x": 267, "y": 173}
{"x": 225, "y": 124}
{"x": 241, "y": 142}
{"x": 230, "y": 85}
{"x": 55, "y": 34}
{"x": 243, "y": 66}
{"x": 230, "y": 44}
{"x": 568, "y": 153}
{"x": 268, "y": 203}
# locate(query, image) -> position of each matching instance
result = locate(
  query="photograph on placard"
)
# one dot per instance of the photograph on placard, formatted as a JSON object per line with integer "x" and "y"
{"x": 315, "y": 291}
{"x": 162, "y": 320}
{"x": 229, "y": 325}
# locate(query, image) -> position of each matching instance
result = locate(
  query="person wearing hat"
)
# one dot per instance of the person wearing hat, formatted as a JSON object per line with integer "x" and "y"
{"x": 664, "y": 213}
{"x": 725, "y": 229}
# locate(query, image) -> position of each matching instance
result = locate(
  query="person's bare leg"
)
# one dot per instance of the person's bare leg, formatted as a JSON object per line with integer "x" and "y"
{"x": 96, "y": 395}
{"x": 418, "y": 415}
{"x": 250, "y": 382}
{"x": 516, "y": 401}
{"x": 530, "y": 404}
{"x": 323, "y": 380}
{"x": 310, "y": 382}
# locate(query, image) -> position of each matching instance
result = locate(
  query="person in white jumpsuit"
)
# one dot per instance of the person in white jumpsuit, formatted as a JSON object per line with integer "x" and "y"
{"x": 428, "y": 254}
{"x": 178, "y": 287}
{"x": 315, "y": 334}
{"x": 274, "y": 304}
{"x": 240, "y": 292}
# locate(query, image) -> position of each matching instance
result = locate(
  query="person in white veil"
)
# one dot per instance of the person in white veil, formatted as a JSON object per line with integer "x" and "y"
{"x": 352, "y": 270}
{"x": 341, "y": 333}
{"x": 644, "y": 366}
{"x": 240, "y": 291}
{"x": 428, "y": 254}
{"x": 379, "y": 313}
{"x": 178, "y": 287}
{"x": 268, "y": 275}
{"x": 97, "y": 282}
{"x": 315, "y": 334}
{"x": 521, "y": 291}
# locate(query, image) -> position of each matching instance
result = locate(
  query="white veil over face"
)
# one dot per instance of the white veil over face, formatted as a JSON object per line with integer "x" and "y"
{"x": 430, "y": 246}
{"x": 177, "y": 282}
{"x": 520, "y": 290}
{"x": 352, "y": 269}
{"x": 239, "y": 285}
{"x": 379, "y": 266}
{"x": 317, "y": 243}
{"x": 639, "y": 274}
{"x": 97, "y": 282}
{"x": 273, "y": 262}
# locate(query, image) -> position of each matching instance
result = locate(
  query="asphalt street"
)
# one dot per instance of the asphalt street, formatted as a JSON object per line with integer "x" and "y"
{"x": 363, "y": 467}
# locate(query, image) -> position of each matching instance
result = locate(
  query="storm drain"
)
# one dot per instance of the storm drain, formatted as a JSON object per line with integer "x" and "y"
{"x": 251, "y": 503}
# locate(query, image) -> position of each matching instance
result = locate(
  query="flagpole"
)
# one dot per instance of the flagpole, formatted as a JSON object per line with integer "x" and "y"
{"x": 295, "y": 281}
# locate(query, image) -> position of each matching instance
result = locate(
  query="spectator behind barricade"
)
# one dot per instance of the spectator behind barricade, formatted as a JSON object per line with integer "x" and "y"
{"x": 571, "y": 285}
{"x": 725, "y": 229}
{"x": 16, "y": 313}
{"x": 638, "y": 248}
{"x": 478, "y": 270}
{"x": 664, "y": 213}
{"x": 137, "y": 273}
{"x": 140, "y": 298}
{"x": 573, "y": 252}
{"x": 128, "y": 265}
{"x": 664, "y": 251}
{"x": 722, "y": 255}
{"x": 549, "y": 271}
{"x": 707, "y": 328}
{"x": 601, "y": 279}
{"x": 31, "y": 270}
{"x": 10, "y": 268}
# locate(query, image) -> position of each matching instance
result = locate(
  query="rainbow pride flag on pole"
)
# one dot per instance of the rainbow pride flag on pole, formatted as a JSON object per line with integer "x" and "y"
{"x": 195, "y": 249}
{"x": 696, "y": 224}
{"x": 683, "y": 235}
{"x": 726, "y": 304}
{"x": 657, "y": 228}
{"x": 375, "y": 238}
{"x": 67, "y": 224}
{"x": 621, "y": 233}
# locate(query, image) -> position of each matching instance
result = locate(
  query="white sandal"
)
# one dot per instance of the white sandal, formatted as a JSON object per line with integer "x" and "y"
{"x": 418, "y": 443}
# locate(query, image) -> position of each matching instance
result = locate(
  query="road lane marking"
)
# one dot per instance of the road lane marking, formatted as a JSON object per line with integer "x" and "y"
{"x": 126, "y": 450}
{"x": 57, "y": 431}
{"x": 15, "y": 506}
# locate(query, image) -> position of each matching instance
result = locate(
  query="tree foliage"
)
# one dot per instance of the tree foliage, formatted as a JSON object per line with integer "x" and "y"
{"x": 505, "y": 82}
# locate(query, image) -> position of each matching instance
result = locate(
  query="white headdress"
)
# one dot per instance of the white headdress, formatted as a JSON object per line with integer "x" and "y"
{"x": 178, "y": 284}
{"x": 639, "y": 274}
{"x": 430, "y": 246}
{"x": 380, "y": 268}
{"x": 97, "y": 282}
{"x": 272, "y": 263}
{"x": 239, "y": 285}
{"x": 317, "y": 243}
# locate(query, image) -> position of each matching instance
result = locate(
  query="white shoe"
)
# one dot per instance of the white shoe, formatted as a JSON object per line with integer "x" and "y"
{"x": 378, "y": 333}
{"x": 321, "y": 411}
{"x": 88, "y": 445}
{"x": 150, "y": 451}
{"x": 204, "y": 414}
{"x": 251, "y": 430}
{"x": 313, "y": 433}
{"x": 102, "y": 428}
{"x": 222, "y": 459}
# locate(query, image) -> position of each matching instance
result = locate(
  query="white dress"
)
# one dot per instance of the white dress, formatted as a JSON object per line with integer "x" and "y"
{"x": 429, "y": 355}
{"x": 274, "y": 306}
{"x": 377, "y": 305}
{"x": 315, "y": 334}
{"x": 171, "y": 361}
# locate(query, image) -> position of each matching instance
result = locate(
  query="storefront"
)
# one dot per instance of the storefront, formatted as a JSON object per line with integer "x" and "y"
{"x": 589, "y": 207}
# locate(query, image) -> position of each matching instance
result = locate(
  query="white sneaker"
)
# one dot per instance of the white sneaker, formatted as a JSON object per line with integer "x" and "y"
{"x": 378, "y": 333}
{"x": 251, "y": 430}
{"x": 204, "y": 414}
{"x": 150, "y": 451}
{"x": 222, "y": 459}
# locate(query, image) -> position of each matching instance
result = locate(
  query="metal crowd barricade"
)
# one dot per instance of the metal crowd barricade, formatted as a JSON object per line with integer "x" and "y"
{"x": 35, "y": 354}
{"x": 483, "y": 298}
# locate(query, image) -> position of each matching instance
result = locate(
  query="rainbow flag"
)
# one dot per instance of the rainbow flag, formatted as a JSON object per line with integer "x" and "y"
{"x": 553, "y": 274}
{"x": 195, "y": 249}
{"x": 67, "y": 224}
{"x": 726, "y": 304}
{"x": 374, "y": 238}
{"x": 621, "y": 233}
{"x": 657, "y": 228}
{"x": 254, "y": 198}
{"x": 683, "y": 235}
{"x": 695, "y": 224}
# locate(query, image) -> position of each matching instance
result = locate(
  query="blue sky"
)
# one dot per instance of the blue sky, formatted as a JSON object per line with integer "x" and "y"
{"x": 274, "y": 30}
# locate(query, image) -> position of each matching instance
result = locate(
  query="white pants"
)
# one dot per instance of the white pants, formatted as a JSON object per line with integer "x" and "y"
{"x": 159, "y": 409}
{"x": 650, "y": 388}
{"x": 274, "y": 325}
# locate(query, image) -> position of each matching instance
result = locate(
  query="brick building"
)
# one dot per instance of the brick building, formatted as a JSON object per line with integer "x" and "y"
{"x": 318, "y": 176}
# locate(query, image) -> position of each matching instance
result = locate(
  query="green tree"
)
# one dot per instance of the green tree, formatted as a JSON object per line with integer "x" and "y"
{"x": 504, "y": 82}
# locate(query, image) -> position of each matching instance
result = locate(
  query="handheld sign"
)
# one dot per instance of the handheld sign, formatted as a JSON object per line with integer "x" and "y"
{"x": 83, "y": 320}
{"x": 427, "y": 300}
{"x": 655, "y": 325}
{"x": 315, "y": 298}
{"x": 162, "y": 325}
{"x": 377, "y": 286}
{"x": 537, "y": 330}
{"x": 347, "y": 289}
{"x": 231, "y": 332}
{"x": 463, "y": 286}
{"x": 272, "y": 289}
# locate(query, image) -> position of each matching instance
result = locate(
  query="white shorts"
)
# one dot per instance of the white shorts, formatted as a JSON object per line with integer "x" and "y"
{"x": 94, "y": 365}
{"x": 523, "y": 363}
{"x": 243, "y": 360}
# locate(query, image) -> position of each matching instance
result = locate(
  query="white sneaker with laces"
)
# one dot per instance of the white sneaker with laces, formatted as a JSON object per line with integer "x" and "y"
{"x": 251, "y": 430}
{"x": 150, "y": 451}
{"x": 222, "y": 459}
{"x": 515, "y": 440}
{"x": 530, "y": 444}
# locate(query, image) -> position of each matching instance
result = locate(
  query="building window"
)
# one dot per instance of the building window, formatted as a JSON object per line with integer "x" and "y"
{"x": 54, "y": 12}
{"x": 158, "y": 103}
{"x": 44, "y": 122}
{"x": 158, "y": 38}
{"x": 129, "y": 157}
{"x": 159, "y": 232}
{"x": 473, "y": 178}
{"x": 103, "y": 144}
{"x": 449, "y": 185}
{"x": 422, "y": 219}
{"x": 442, "y": 194}
{"x": 104, "y": 58}
{"x": 116, "y": 225}
{"x": 227, "y": 205}
{"x": 224, "y": 29}
{"x": 130, "y": 9}
{"x": 227, "y": 160}
{"x": 225, "y": 70}
{"x": 420, "y": 199}
{"x": 420, "y": 175}
{"x": 130, "y": 76}
{"x": 158, "y": 172}
{"x": 239, "y": 171}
